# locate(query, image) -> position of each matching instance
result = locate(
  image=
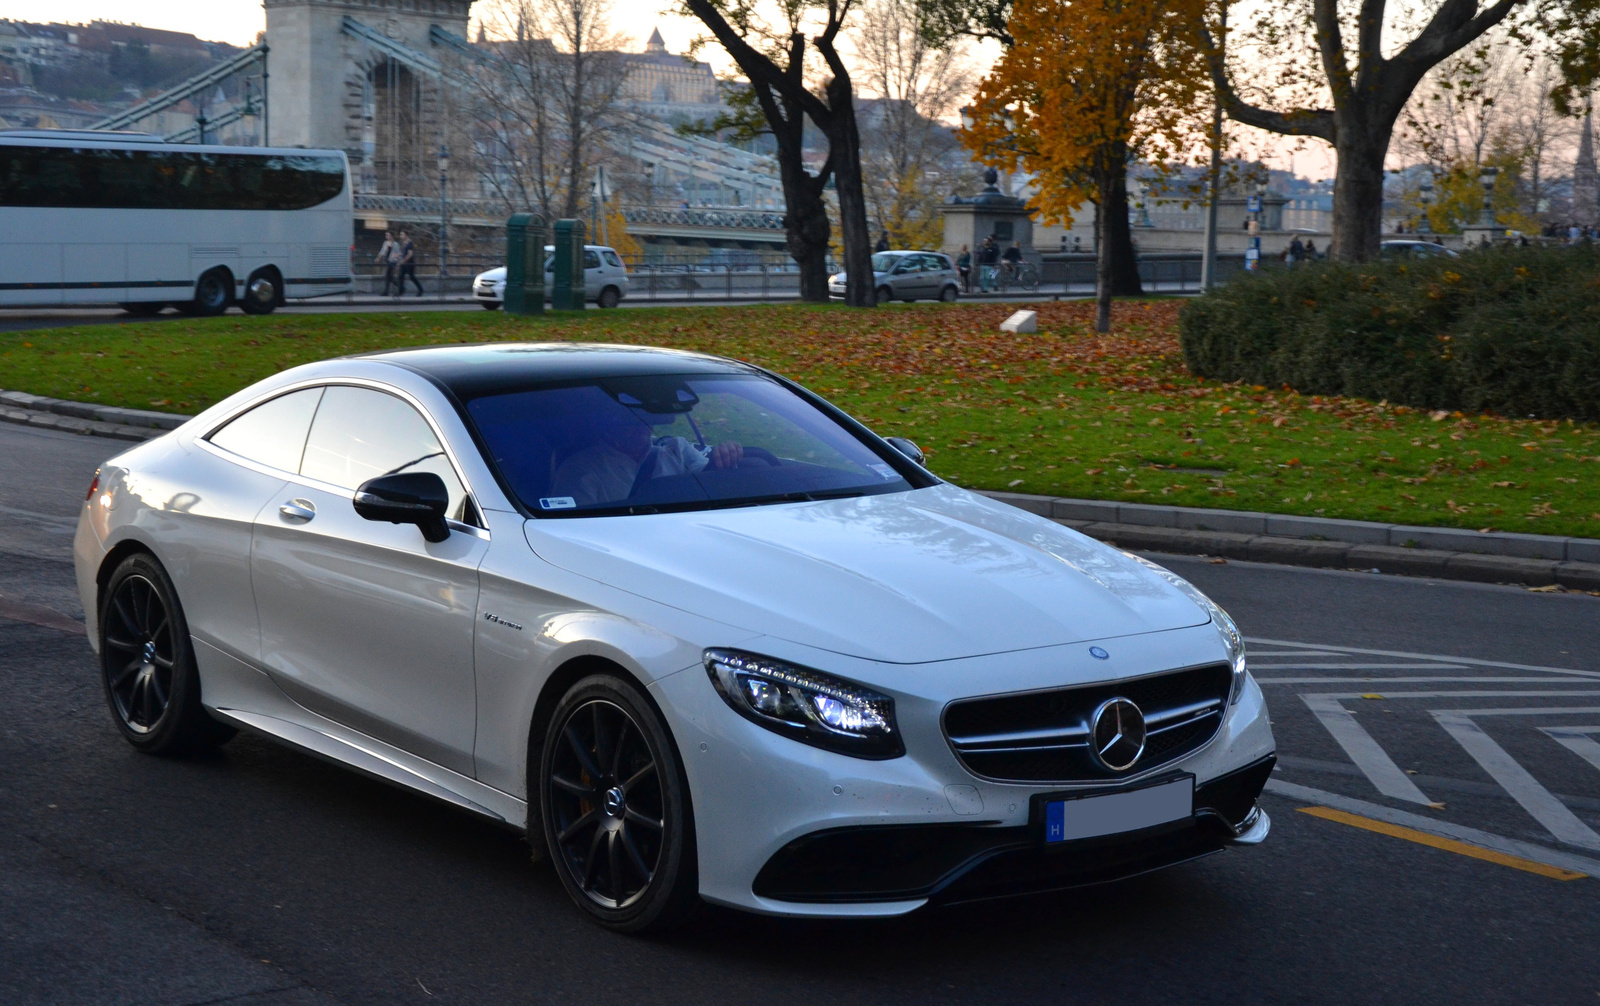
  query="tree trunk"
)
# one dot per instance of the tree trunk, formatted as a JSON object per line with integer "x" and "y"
{"x": 844, "y": 150}
{"x": 1119, "y": 236}
{"x": 1358, "y": 194}
{"x": 806, "y": 228}
{"x": 1102, "y": 253}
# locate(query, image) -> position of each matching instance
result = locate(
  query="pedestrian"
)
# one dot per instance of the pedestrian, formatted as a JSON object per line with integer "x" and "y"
{"x": 964, "y": 267}
{"x": 389, "y": 257}
{"x": 1311, "y": 250}
{"x": 1296, "y": 252}
{"x": 988, "y": 256}
{"x": 883, "y": 243}
{"x": 408, "y": 266}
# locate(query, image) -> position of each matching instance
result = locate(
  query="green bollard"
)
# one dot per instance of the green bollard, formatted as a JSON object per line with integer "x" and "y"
{"x": 566, "y": 286}
{"x": 524, "y": 264}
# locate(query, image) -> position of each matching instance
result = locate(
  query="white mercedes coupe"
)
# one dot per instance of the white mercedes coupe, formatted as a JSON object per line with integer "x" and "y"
{"x": 697, "y": 632}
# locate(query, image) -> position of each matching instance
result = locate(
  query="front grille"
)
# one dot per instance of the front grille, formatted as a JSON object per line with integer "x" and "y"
{"x": 1044, "y": 736}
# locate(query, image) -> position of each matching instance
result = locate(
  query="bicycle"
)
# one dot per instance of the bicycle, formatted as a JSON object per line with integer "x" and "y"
{"x": 1024, "y": 276}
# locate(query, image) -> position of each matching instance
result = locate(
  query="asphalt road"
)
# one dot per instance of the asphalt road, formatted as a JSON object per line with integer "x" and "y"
{"x": 259, "y": 875}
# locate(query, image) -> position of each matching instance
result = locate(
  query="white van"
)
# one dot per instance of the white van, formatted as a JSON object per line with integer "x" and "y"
{"x": 605, "y": 279}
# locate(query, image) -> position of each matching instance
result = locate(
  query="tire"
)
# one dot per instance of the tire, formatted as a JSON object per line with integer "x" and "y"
{"x": 949, "y": 294}
{"x": 147, "y": 664}
{"x": 212, "y": 294}
{"x": 614, "y": 805}
{"x": 885, "y": 295}
{"x": 609, "y": 297}
{"x": 144, "y": 308}
{"x": 490, "y": 305}
{"x": 263, "y": 292}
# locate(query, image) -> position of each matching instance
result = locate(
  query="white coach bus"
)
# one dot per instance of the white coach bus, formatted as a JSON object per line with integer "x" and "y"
{"x": 116, "y": 218}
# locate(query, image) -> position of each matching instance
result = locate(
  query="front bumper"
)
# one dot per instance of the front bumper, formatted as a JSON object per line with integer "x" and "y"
{"x": 949, "y": 863}
{"x": 759, "y": 799}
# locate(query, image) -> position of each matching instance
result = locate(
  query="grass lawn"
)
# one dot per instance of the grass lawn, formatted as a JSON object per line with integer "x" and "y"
{"x": 1063, "y": 412}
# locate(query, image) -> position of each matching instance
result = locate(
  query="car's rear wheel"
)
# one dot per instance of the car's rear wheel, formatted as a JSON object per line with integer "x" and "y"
{"x": 885, "y": 295}
{"x": 609, "y": 297}
{"x": 615, "y": 808}
{"x": 949, "y": 294}
{"x": 147, "y": 664}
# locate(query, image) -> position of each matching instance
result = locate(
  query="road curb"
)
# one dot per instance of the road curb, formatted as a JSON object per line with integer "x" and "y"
{"x": 1487, "y": 557}
{"x": 104, "y": 414}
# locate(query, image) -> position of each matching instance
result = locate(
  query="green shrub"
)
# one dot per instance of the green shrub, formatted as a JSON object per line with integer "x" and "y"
{"x": 1510, "y": 331}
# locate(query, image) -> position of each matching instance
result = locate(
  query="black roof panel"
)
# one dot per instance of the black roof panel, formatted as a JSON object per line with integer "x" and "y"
{"x": 490, "y": 368}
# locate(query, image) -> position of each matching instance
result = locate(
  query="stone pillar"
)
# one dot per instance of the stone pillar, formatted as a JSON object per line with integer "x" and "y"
{"x": 990, "y": 213}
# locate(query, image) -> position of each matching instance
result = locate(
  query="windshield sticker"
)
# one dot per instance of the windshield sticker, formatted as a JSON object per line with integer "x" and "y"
{"x": 886, "y": 471}
{"x": 557, "y": 503}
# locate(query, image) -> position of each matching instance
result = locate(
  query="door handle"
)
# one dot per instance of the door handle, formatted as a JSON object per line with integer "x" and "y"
{"x": 298, "y": 509}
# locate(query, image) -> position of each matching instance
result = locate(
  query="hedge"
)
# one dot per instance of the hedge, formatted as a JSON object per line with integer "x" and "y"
{"x": 1512, "y": 331}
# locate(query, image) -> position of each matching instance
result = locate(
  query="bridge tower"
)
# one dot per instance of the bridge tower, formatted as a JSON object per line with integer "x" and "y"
{"x": 360, "y": 75}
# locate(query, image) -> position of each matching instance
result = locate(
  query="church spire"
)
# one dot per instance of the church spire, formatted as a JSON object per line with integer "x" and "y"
{"x": 656, "y": 43}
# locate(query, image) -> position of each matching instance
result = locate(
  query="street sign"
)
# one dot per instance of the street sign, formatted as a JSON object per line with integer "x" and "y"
{"x": 1253, "y": 204}
{"x": 1252, "y": 259}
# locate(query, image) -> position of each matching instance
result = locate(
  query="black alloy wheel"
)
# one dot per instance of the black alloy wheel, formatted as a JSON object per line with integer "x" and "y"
{"x": 147, "y": 664}
{"x": 615, "y": 809}
{"x": 213, "y": 293}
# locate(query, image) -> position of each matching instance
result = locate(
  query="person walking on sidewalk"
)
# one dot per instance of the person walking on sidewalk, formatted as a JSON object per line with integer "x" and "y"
{"x": 389, "y": 257}
{"x": 408, "y": 266}
{"x": 964, "y": 267}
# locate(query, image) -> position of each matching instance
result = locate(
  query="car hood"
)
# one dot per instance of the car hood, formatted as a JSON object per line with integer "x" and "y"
{"x": 493, "y": 275}
{"x": 931, "y": 574}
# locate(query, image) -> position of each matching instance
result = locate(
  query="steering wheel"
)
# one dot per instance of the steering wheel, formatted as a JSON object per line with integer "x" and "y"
{"x": 761, "y": 454}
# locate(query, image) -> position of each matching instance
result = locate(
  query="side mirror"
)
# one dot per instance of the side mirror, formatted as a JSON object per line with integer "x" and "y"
{"x": 908, "y": 448}
{"x": 418, "y": 498}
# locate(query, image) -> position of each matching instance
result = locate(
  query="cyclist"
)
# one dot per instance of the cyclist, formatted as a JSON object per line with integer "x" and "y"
{"x": 1012, "y": 260}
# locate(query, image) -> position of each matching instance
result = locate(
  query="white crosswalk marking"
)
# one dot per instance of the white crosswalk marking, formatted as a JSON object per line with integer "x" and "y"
{"x": 1578, "y": 741}
{"x": 1371, "y": 759}
{"x": 1516, "y": 780}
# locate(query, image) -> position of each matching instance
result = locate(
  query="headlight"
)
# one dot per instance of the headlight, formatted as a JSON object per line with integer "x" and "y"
{"x": 808, "y": 706}
{"x": 1232, "y": 640}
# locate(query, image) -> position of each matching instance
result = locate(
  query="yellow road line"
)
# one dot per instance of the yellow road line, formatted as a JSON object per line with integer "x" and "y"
{"x": 1447, "y": 844}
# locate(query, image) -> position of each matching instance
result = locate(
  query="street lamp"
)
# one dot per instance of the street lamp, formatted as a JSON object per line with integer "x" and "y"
{"x": 444, "y": 212}
{"x": 1486, "y": 178}
{"x": 1425, "y": 195}
{"x": 967, "y": 121}
{"x": 1141, "y": 189}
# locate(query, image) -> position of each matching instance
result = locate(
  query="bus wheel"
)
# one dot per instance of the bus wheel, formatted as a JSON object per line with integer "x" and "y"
{"x": 261, "y": 292}
{"x": 213, "y": 293}
{"x": 144, "y": 308}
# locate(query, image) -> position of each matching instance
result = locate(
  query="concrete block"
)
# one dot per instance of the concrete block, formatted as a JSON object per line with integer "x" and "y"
{"x": 1232, "y": 521}
{"x": 1526, "y": 546}
{"x": 1096, "y": 510}
{"x": 1024, "y": 322}
{"x": 1583, "y": 550}
{"x": 1298, "y": 552}
{"x": 1449, "y": 539}
{"x": 1356, "y": 532}
{"x": 1579, "y": 575}
{"x": 1147, "y": 514}
{"x": 1390, "y": 559}
{"x": 1501, "y": 569}
{"x": 1024, "y": 501}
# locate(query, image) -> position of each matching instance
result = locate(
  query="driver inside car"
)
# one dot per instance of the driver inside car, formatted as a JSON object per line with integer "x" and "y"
{"x": 624, "y": 453}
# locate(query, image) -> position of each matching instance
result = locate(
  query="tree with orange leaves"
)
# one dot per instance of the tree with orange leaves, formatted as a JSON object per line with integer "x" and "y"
{"x": 1087, "y": 88}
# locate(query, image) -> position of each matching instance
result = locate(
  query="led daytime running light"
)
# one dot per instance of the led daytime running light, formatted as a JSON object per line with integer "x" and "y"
{"x": 809, "y": 706}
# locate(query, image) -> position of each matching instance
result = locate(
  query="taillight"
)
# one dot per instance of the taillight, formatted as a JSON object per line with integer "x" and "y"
{"x": 92, "y": 487}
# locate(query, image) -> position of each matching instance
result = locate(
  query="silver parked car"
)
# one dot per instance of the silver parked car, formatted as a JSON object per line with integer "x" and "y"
{"x": 605, "y": 279}
{"x": 908, "y": 276}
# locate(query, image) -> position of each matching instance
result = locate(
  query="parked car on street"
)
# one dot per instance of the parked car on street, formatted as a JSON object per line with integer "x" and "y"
{"x": 1414, "y": 249}
{"x": 697, "y": 632}
{"x": 908, "y": 276}
{"x": 605, "y": 279}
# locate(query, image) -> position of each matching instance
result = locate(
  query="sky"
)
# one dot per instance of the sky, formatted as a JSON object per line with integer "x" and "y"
{"x": 238, "y": 21}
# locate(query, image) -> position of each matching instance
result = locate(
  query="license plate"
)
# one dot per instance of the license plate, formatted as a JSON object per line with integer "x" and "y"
{"x": 1114, "y": 813}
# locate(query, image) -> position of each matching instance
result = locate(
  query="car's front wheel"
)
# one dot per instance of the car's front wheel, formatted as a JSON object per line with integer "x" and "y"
{"x": 490, "y": 305}
{"x": 615, "y": 808}
{"x": 147, "y": 664}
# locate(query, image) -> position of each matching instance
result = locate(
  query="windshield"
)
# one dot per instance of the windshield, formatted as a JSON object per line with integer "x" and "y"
{"x": 884, "y": 262}
{"x": 666, "y": 442}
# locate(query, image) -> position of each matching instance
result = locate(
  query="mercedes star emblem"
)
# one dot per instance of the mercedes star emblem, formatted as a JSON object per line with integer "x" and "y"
{"x": 1116, "y": 734}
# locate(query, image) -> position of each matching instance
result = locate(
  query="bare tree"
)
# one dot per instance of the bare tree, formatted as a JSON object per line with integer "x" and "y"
{"x": 906, "y": 146}
{"x": 544, "y": 94}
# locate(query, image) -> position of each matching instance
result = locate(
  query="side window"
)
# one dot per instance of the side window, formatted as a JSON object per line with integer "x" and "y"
{"x": 591, "y": 260}
{"x": 611, "y": 259}
{"x": 360, "y": 434}
{"x": 273, "y": 433}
